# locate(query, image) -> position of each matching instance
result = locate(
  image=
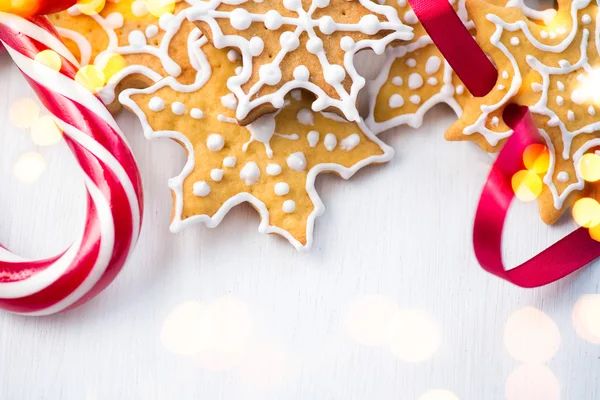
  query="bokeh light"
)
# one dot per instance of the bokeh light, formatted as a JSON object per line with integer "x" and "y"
{"x": 586, "y": 318}
{"x": 21, "y": 7}
{"x": 531, "y": 336}
{"x": 189, "y": 328}
{"x": 45, "y": 132}
{"x": 413, "y": 335}
{"x": 527, "y": 185}
{"x": 91, "y": 77}
{"x": 586, "y": 212}
{"x": 160, "y": 7}
{"x": 49, "y": 58}
{"x": 589, "y": 167}
{"x": 91, "y": 7}
{"x": 23, "y": 113}
{"x": 367, "y": 319}
{"x": 531, "y": 381}
{"x": 265, "y": 366}
{"x": 29, "y": 167}
{"x": 536, "y": 158}
{"x": 112, "y": 65}
{"x": 438, "y": 394}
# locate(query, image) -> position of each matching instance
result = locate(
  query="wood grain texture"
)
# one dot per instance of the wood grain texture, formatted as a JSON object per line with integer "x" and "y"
{"x": 401, "y": 230}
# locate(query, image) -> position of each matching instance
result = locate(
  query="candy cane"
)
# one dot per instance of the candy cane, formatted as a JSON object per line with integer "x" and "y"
{"x": 112, "y": 180}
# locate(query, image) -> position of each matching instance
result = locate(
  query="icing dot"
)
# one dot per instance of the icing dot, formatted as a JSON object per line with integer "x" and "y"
{"x": 536, "y": 87}
{"x": 369, "y": 24}
{"x": 460, "y": 89}
{"x": 495, "y": 121}
{"x": 552, "y": 35}
{"x": 578, "y": 96}
{"x": 327, "y": 25}
{"x": 564, "y": 63}
{"x": 432, "y": 65}
{"x": 560, "y": 101}
{"x": 256, "y": 46}
{"x": 201, "y": 189}
{"x": 396, "y": 101}
{"x": 197, "y": 113}
{"x": 289, "y": 41}
{"x": 289, "y": 206}
{"x": 229, "y": 101}
{"x": 591, "y": 110}
{"x": 233, "y": 55}
{"x": 273, "y": 169}
{"x": 273, "y": 20}
{"x": 314, "y": 45}
{"x": 151, "y": 31}
{"x": 544, "y": 34}
{"x": 411, "y": 62}
{"x": 561, "y": 30}
{"x": 397, "y": 80}
{"x": 282, "y": 188}
{"x": 330, "y": 142}
{"x": 115, "y": 20}
{"x": 321, "y": 3}
{"x": 514, "y": 41}
{"x": 505, "y": 74}
{"x": 305, "y": 117}
{"x": 156, "y": 104}
{"x": 571, "y": 115}
{"x": 229, "y": 162}
{"x": 165, "y": 21}
{"x": 415, "y": 99}
{"x": 137, "y": 39}
{"x": 250, "y": 173}
{"x": 178, "y": 108}
{"x": 238, "y": 70}
{"x": 402, "y": 3}
{"x": 415, "y": 81}
{"x": 501, "y": 87}
{"x": 292, "y": 5}
{"x": 313, "y": 138}
{"x": 560, "y": 86}
{"x": 240, "y": 19}
{"x": 586, "y": 19}
{"x": 432, "y": 81}
{"x": 347, "y": 43}
{"x": 562, "y": 176}
{"x": 217, "y": 174}
{"x": 270, "y": 74}
{"x": 410, "y": 17}
{"x": 139, "y": 8}
{"x": 301, "y": 73}
{"x": 74, "y": 11}
{"x": 215, "y": 142}
{"x": 297, "y": 161}
{"x": 350, "y": 142}
{"x": 334, "y": 74}
{"x": 296, "y": 94}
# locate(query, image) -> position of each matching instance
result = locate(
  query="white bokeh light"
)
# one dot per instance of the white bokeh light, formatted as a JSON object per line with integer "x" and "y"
{"x": 532, "y": 382}
{"x": 24, "y": 112}
{"x": 531, "y": 336}
{"x": 265, "y": 366}
{"x": 29, "y": 167}
{"x": 439, "y": 394}
{"x": 368, "y": 318}
{"x": 413, "y": 335}
{"x": 45, "y": 132}
{"x": 586, "y": 318}
{"x": 188, "y": 329}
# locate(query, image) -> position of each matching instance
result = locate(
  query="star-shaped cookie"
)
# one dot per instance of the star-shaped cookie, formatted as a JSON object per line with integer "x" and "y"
{"x": 271, "y": 163}
{"x": 293, "y": 44}
{"x": 551, "y": 67}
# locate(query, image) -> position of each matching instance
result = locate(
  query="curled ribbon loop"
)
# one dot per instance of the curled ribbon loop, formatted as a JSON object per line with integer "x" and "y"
{"x": 475, "y": 70}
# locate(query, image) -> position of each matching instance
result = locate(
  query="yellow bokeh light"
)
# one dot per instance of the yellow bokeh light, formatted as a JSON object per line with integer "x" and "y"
{"x": 532, "y": 381}
{"x": 531, "y": 336}
{"x": 536, "y": 158}
{"x": 586, "y": 318}
{"x": 29, "y": 167}
{"x": 586, "y": 212}
{"x": 21, "y": 7}
{"x": 527, "y": 185}
{"x": 438, "y": 394}
{"x": 23, "y": 113}
{"x": 113, "y": 65}
{"x": 160, "y": 7}
{"x": 45, "y": 132}
{"x": 91, "y": 7}
{"x": 49, "y": 58}
{"x": 589, "y": 167}
{"x": 413, "y": 336}
{"x": 368, "y": 318}
{"x": 91, "y": 77}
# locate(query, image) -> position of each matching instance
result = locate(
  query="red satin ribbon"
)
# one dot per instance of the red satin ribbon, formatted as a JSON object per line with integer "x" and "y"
{"x": 475, "y": 70}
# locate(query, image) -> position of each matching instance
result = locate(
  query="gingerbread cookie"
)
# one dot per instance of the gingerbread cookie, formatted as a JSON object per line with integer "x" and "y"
{"x": 415, "y": 77}
{"x": 271, "y": 163}
{"x": 552, "y": 68}
{"x": 131, "y": 46}
{"x": 287, "y": 45}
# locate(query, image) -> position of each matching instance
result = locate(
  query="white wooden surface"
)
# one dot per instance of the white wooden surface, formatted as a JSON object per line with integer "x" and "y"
{"x": 293, "y": 329}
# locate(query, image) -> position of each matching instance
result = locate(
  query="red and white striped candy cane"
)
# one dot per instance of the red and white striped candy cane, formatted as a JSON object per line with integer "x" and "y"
{"x": 112, "y": 179}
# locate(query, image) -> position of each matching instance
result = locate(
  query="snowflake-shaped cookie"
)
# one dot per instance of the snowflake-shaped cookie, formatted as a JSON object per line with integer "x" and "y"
{"x": 553, "y": 68}
{"x": 288, "y": 44}
{"x": 151, "y": 48}
{"x": 271, "y": 163}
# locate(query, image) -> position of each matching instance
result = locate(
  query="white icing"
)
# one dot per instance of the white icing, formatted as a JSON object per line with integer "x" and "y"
{"x": 250, "y": 173}
{"x": 156, "y": 104}
{"x": 415, "y": 99}
{"x": 281, "y": 188}
{"x": 305, "y": 117}
{"x": 411, "y": 62}
{"x": 196, "y": 113}
{"x": 178, "y": 108}
{"x": 151, "y": 31}
{"x": 562, "y": 176}
{"x": 350, "y": 142}
{"x": 313, "y": 138}
{"x": 330, "y": 142}
{"x": 296, "y": 161}
{"x": 215, "y": 142}
{"x": 201, "y": 189}
{"x": 397, "y": 80}
{"x": 139, "y": 8}
{"x": 289, "y": 206}
{"x": 229, "y": 162}
{"x": 217, "y": 174}
{"x": 396, "y": 101}
{"x": 273, "y": 169}
{"x": 415, "y": 81}
{"x": 432, "y": 81}
{"x": 229, "y": 101}
{"x": 432, "y": 65}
